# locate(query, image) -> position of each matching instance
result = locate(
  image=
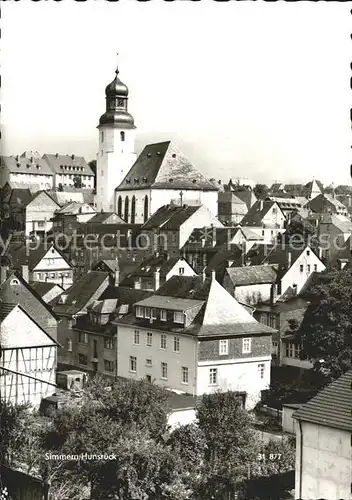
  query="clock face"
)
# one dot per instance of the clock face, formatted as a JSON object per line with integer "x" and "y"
{"x": 120, "y": 102}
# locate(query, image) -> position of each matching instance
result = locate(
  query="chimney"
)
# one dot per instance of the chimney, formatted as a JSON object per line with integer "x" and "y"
{"x": 203, "y": 275}
{"x": 320, "y": 253}
{"x": 3, "y": 274}
{"x": 137, "y": 284}
{"x": 261, "y": 205}
{"x": 73, "y": 157}
{"x": 213, "y": 275}
{"x": 289, "y": 260}
{"x": 273, "y": 294}
{"x": 56, "y": 155}
{"x": 156, "y": 279}
{"x": 25, "y": 273}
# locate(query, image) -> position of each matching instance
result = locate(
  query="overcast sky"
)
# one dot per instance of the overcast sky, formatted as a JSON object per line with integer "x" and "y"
{"x": 251, "y": 89}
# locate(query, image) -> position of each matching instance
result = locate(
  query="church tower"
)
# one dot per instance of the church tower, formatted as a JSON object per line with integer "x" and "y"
{"x": 116, "y": 144}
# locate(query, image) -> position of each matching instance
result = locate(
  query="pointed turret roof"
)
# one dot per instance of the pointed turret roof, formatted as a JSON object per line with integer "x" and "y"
{"x": 163, "y": 166}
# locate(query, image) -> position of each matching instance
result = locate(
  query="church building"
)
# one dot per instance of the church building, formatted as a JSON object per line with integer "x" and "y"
{"x": 135, "y": 188}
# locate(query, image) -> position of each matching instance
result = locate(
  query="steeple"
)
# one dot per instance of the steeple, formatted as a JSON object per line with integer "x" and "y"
{"x": 116, "y": 112}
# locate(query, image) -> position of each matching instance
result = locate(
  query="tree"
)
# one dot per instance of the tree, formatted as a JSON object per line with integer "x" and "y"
{"x": 261, "y": 191}
{"x": 230, "y": 441}
{"x": 77, "y": 181}
{"x": 326, "y": 329}
{"x": 301, "y": 233}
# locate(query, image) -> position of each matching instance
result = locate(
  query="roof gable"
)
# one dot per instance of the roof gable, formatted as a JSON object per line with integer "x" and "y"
{"x": 18, "y": 319}
{"x": 221, "y": 308}
{"x": 164, "y": 166}
{"x": 331, "y": 407}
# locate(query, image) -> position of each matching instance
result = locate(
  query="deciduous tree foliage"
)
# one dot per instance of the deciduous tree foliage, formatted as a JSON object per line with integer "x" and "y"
{"x": 326, "y": 329}
{"x": 261, "y": 191}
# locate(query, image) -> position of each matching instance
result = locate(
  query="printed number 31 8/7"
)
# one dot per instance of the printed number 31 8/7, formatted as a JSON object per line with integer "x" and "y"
{"x": 270, "y": 456}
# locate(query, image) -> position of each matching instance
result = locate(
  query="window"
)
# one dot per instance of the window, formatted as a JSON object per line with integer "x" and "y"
{"x": 147, "y": 312}
{"x": 178, "y": 317}
{"x": 149, "y": 339}
{"x": 82, "y": 359}
{"x": 163, "y": 341}
{"x": 139, "y": 312}
{"x": 289, "y": 350}
{"x": 136, "y": 337}
{"x": 298, "y": 349}
{"x": 223, "y": 346}
{"x": 213, "y": 376}
{"x": 133, "y": 364}
{"x": 41, "y": 224}
{"x": 261, "y": 369}
{"x": 246, "y": 345}
{"x": 181, "y": 271}
{"x": 108, "y": 365}
{"x": 263, "y": 232}
{"x": 308, "y": 268}
{"x": 164, "y": 371}
{"x": 108, "y": 343}
{"x": 148, "y": 362}
{"x": 184, "y": 375}
{"x": 154, "y": 316}
{"x": 176, "y": 344}
{"x": 102, "y": 136}
{"x": 301, "y": 268}
{"x": 83, "y": 338}
{"x": 315, "y": 267}
{"x": 308, "y": 252}
{"x": 69, "y": 345}
{"x": 122, "y": 134}
{"x": 275, "y": 346}
{"x": 162, "y": 315}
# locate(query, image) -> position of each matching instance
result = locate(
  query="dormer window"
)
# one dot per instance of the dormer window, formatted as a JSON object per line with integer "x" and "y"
{"x": 163, "y": 315}
{"x": 139, "y": 312}
{"x": 147, "y": 313}
{"x": 14, "y": 282}
{"x": 179, "y": 317}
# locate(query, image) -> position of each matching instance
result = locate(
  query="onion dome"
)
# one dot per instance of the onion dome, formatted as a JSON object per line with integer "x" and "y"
{"x": 116, "y": 112}
{"x": 116, "y": 88}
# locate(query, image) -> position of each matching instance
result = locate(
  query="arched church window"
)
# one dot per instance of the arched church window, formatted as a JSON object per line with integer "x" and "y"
{"x": 119, "y": 206}
{"x": 126, "y": 209}
{"x": 133, "y": 210}
{"x": 146, "y": 208}
{"x": 122, "y": 135}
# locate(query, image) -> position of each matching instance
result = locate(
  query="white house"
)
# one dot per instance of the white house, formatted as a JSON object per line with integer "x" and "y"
{"x": 192, "y": 336}
{"x": 323, "y": 443}
{"x": 69, "y": 170}
{"x": 266, "y": 219}
{"x": 28, "y": 169}
{"x": 39, "y": 213}
{"x": 28, "y": 357}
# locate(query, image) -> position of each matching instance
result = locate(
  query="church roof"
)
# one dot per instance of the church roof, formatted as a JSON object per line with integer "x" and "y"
{"x": 164, "y": 166}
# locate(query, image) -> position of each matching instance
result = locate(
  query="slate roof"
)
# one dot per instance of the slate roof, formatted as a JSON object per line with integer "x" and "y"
{"x": 79, "y": 294}
{"x": 170, "y": 217}
{"x": 74, "y": 208}
{"x": 43, "y": 287}
{"x": 164, "y": 166}
{"x": 217, "y": 312}
{"x": 21, "y": 255}
{"x": 124, "y": 295}
{"x": 28, "y": 298}
{"x": 247, "y": 196}
{"x": 22, "y": 165}
{"x": 5, "y": 309}
{"x": 148, "y": 266}
{"x": 101, "y": 217}
{"x": 255, "y": 214}
{"x": 57, "y": 162}
{"x": 331, "y": 407}
{"x": 20, "y": 196}
{"x": 344, "y": 224}
{"x": 251, "y": 275}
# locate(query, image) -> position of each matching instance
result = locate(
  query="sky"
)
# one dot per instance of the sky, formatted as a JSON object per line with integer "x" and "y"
{"x": 245, "y": 89}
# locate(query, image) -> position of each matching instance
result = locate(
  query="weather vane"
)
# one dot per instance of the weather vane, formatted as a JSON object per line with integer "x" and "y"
{"x": 117, "y": 64}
